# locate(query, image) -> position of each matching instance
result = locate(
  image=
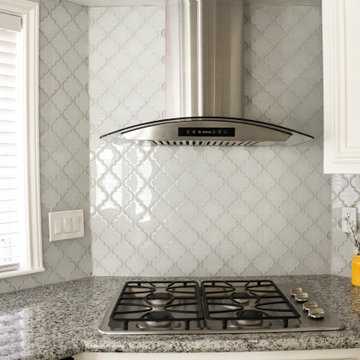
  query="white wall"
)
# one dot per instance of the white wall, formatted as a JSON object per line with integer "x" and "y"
{"x": 64, "y": 134}
{"x": 208, "y": 211}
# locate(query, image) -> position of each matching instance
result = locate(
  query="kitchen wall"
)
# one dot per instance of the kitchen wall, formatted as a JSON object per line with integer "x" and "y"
{"x": 208, "y": 211}
{"x": 345, "y": 192}
{"x": 176, "y": 211}
{"x": 64, "y": 133}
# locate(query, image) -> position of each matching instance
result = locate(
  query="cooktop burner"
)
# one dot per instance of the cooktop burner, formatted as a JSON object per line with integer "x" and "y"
{"x": 214, "y": 306}
{"x": 158, "y": 305}
{"x": 246, "y": 303}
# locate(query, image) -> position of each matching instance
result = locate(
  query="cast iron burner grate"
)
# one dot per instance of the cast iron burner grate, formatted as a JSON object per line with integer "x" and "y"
{"x": 158, "y": 305}
{"x": 211, "y": 307}
{"x": 246, "y": 304}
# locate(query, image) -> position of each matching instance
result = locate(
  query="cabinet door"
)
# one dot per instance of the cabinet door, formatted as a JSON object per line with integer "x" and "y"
{"x": 341, "y": 54}
{"x": 350, "y": 354}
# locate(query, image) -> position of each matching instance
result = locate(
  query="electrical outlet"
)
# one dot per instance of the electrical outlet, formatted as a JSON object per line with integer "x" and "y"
{"x": 348, "y": 213}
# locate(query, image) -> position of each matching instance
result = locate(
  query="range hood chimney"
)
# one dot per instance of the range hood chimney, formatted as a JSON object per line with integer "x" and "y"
{"x": 204, "y": 87}
{"x": 204, "y": 57}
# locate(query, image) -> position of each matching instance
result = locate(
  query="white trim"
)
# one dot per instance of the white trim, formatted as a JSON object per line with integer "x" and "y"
{"x": 10, "y": 22}
{"x": 341, "y": 57}
{"x": 31, "y": 23}
{"x": 340, "y": 354}
{"x": 14, "y": 273}
{"x": 112, "y": 3}
{"x": 9, "y": 267}
{"x": 20, "y": 7}
{"x": 29, "y": 11}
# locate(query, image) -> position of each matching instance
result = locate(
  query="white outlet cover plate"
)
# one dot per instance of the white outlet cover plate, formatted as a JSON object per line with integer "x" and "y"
{"x": 348, "y": 212}
{"x": 64, "y": 225}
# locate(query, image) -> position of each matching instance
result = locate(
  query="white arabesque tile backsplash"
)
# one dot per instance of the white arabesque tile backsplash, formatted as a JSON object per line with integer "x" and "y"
{"x": 174, "y": 211}
{"x": 64, "y": 135}
{"x": 345, "y": 193}
{"x": 200, "y": 210}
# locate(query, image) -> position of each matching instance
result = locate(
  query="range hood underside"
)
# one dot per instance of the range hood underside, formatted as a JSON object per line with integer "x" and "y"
{"x": 207, "y": 131}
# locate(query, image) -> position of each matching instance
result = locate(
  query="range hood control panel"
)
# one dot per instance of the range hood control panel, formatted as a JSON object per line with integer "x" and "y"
{"x": 197, "y": 131}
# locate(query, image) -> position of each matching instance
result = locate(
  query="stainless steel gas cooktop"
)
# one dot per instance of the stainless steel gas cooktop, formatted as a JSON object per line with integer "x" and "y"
{"x": 214, "y": 306}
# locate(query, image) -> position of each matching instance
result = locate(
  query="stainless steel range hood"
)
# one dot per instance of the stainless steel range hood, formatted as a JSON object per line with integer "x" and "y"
{"x": 204, "y": 87}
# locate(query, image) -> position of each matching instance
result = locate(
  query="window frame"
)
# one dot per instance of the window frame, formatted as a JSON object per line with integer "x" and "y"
{"x": 29, "y": 12}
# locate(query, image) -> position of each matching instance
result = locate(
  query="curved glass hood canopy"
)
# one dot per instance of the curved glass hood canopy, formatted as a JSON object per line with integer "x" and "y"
{"x": 204, "y": 85}
{"x": 209, "y": 131}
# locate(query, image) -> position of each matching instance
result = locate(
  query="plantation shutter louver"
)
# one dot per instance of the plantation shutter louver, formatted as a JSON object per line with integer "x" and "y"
{"x": 12, "y": 164}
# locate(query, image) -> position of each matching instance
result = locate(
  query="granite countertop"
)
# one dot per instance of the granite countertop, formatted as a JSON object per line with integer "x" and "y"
{"x": 60, "y": 320}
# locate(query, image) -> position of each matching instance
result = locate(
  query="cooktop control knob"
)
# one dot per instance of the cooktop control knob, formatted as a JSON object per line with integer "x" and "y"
{"x": 310, "y": 305}
{"x": 316, "y": 313}
{"x": 295, "y": 291}
{"x": 302, "y": 297}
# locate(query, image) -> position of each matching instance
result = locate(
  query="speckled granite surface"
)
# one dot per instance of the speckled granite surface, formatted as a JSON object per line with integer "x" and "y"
{"x": 60, "y": 320}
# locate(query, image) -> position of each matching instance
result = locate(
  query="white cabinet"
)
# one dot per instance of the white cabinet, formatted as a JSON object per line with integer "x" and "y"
{"x": 341, "y": 354}
{"x": 341, "y": 53}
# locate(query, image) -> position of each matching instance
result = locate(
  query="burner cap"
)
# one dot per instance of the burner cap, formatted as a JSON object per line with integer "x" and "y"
{"x": 251, "y": 314}
{"x": 241, "y": 297}
{"x": 158, "y": 316}
{"x": 250, "y": 317}
{"x": 158, "y": 319}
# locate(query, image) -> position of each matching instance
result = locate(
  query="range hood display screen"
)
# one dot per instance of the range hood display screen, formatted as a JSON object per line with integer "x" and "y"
{"x": 194, "y": 131}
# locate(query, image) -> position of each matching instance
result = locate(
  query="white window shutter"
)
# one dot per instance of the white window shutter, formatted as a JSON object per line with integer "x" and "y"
{"x": 10, "y": 22}
{"x": 11, "y": 158}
